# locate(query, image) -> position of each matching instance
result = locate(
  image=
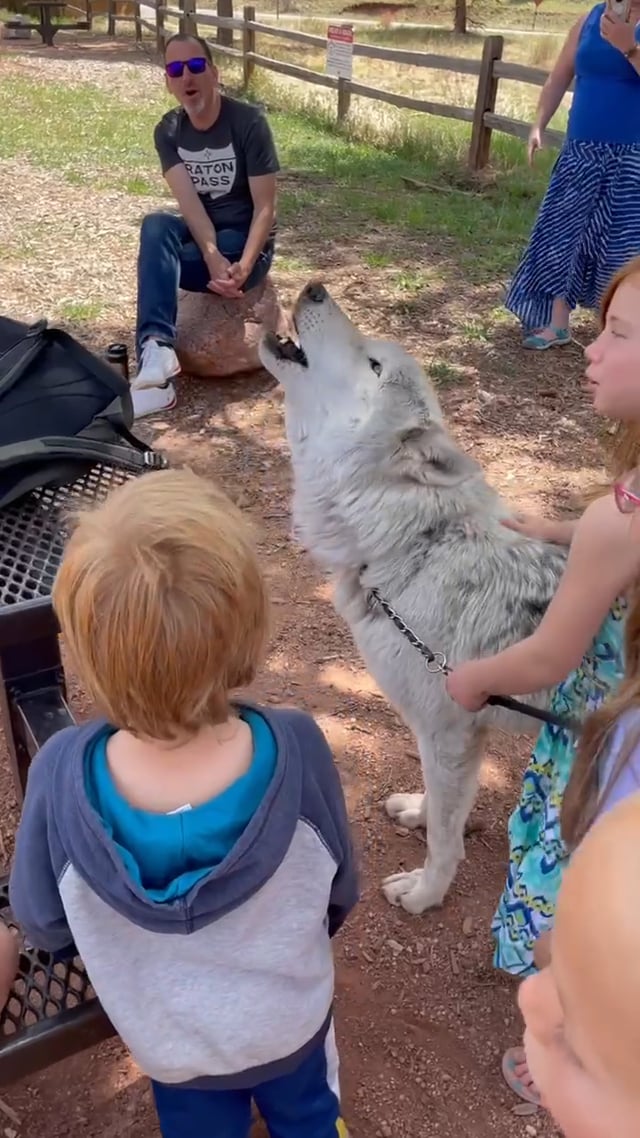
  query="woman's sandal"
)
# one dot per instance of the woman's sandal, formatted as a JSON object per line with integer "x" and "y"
{"x": 513, "y": 1058}
{"x": 540, "y": 343}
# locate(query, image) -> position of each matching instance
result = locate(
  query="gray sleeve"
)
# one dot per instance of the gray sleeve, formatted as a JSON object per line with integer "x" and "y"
{"x": 166, "y": 146}
{"x": 260, "y": 150}
{"x": 324, "y": 804}
{"x": 33, "y": 884}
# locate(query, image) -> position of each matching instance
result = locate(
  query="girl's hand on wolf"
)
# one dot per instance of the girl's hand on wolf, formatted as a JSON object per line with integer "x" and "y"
{"x": 541, "y": 529}
{"x": 464, "y": 685}
{"x": 530, "y": 525}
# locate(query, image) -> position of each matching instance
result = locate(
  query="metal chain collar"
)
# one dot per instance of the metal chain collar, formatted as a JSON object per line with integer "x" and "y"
{"x": 435, "y": 662}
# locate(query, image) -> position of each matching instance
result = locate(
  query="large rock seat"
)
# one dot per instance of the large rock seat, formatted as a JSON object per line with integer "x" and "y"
{"x": 218, "y": 337}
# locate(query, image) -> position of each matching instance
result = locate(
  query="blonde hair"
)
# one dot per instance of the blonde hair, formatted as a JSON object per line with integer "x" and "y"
{"x": 162, "y": 603}
{"x": 580, "y": 801}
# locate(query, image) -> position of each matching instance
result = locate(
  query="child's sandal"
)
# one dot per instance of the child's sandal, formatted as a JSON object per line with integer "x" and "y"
{"x": 515, "y": 1057}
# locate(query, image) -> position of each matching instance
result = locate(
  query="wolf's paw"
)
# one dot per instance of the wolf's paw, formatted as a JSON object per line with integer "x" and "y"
{"x": 410, "y": 890}
{"x": 407, "y": 810}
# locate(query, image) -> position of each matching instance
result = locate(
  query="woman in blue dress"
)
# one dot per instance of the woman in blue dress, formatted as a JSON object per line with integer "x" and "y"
{"x": 588, "y": 226}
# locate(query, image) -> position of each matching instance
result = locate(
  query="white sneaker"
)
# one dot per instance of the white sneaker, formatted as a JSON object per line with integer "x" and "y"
{"x": 153, "y": 399}
{"x": 158, "y": 364}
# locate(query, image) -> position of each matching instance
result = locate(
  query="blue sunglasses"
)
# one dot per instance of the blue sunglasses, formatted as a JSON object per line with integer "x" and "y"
{"x": 175, "y": 69}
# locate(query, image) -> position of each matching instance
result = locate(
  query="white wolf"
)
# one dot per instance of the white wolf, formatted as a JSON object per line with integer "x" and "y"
{"x": 384, "y": 499}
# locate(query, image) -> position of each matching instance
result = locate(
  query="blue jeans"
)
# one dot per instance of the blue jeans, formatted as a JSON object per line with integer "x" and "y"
{"x": 169, "y": 259}
{"x": 303, "y": 1104}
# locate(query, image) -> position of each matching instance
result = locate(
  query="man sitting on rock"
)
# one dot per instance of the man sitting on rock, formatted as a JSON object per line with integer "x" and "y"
{"x": 220, "y": 162}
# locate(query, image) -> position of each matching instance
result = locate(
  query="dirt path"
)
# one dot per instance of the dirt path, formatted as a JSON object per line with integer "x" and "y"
{"x": 422, "y": 1017}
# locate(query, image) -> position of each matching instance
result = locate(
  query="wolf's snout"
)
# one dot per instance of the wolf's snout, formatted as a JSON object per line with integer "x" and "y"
{"x": 315, "y": 292}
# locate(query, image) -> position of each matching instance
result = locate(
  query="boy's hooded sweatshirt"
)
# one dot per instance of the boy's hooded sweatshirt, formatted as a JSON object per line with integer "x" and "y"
{"x": 232, "y": 983}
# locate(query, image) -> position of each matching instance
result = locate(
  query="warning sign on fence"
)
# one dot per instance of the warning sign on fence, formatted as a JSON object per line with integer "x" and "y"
{"x": 340, "y": 50}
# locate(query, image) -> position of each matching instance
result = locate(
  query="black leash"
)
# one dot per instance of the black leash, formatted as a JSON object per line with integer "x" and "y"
{"x": 436, "y": 663}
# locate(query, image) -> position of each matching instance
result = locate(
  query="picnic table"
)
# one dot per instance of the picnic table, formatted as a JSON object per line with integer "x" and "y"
{"x": 46, "y": 28}
{"x": 52, "y": 1011}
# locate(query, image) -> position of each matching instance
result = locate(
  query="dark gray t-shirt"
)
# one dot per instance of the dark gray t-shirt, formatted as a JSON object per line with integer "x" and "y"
{"x": 221, "y": 159}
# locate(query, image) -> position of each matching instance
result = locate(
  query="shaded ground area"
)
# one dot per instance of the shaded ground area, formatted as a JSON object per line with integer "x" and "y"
{"x": 422, "y": 1017}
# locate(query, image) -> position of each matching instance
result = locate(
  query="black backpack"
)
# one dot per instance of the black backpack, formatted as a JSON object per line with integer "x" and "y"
{"x": 62, "y": 411}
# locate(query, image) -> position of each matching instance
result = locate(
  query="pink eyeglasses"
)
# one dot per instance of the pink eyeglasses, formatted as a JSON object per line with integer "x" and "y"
{"x": 627, "y": 494}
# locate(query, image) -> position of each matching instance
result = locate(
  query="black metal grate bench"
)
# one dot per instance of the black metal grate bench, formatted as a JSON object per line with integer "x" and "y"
{"x": 52, "y": 1011}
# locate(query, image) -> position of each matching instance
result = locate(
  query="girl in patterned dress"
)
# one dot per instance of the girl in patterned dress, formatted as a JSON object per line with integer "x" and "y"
{"x": 606, "y": 770}
{"x": 580, "y": 638}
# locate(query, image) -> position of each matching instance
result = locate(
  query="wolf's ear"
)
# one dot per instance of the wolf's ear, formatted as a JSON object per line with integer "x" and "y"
{"x": 427, "y": 454}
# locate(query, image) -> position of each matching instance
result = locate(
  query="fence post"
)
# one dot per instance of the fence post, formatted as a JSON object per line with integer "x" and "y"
{"x": 460, "y": 18}
{"x": 248, "y": 44}
{"x": 111, "y": 18}
{"x": 136, "y": 21}
{"x": 485, "y": 101}
{"x": 224, "y": 36}
{"x": 344, "y": 99}
{"x": 188, "y": 22}
{"x": 160, "y": 27}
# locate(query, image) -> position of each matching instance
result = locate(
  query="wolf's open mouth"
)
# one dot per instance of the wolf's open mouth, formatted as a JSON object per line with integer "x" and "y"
{"x": 283, "y": 348}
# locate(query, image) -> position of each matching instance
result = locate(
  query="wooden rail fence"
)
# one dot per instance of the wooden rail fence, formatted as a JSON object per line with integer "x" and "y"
{"x": 490, "y": 69}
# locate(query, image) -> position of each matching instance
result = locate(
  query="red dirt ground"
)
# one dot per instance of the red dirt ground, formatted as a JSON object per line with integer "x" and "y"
{"x": 422, "y": 1017}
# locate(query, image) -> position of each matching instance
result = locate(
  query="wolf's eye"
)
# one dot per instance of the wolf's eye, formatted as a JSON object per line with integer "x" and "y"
{"x": 375, "y": 366}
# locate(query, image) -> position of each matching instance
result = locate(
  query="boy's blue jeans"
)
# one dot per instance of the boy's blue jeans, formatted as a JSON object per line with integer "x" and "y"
{"x": 169, "y": 259}
{"x": 303, "y": 1104}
